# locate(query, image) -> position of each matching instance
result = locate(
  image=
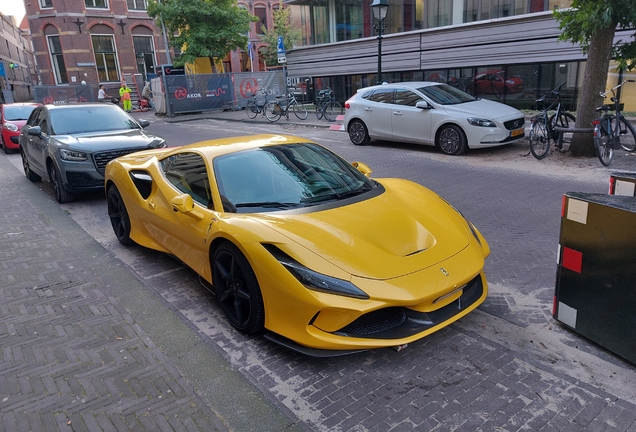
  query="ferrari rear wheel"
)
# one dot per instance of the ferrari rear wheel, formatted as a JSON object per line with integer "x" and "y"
{"x": 118, "y": 215}
{"x": 237, "y": 289}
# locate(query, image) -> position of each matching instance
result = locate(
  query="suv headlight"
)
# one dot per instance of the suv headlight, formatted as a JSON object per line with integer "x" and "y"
{"x": 71, "y": 155}
{"x": 480, "y": 122}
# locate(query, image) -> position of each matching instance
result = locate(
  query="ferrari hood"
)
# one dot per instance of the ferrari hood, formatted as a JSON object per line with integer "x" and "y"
{"x": 405, "y": 229}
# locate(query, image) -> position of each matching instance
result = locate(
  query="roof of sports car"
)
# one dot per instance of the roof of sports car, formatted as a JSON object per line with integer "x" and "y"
{"x": 220, "y": 146}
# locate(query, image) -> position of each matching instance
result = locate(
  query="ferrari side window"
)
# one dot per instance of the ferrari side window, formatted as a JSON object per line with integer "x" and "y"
{"x": 187, "y": 172}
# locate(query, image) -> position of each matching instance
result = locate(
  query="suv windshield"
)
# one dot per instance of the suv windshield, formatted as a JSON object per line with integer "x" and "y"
{"x": 286, "y": 176}
{"x": 89, "y": 118}
{"x": 446, "y": 95}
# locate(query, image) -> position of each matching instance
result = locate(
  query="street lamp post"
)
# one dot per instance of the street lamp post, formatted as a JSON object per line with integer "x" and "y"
{"x": 380, "y": 7}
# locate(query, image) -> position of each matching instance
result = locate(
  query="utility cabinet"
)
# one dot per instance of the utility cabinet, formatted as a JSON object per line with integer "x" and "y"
{"x": 595, "y": 289}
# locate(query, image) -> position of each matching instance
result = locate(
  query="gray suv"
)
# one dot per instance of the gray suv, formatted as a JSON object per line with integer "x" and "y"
{"x": 70, "y": 145}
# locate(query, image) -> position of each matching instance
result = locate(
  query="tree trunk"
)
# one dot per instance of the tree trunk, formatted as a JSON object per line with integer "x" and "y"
{"x": 594, "y": 81}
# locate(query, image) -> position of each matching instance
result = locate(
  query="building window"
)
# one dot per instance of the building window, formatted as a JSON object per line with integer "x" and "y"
{"x": 261, "y": 13}
{"x": 96, "y": 4}
{"x": 46, "y": 3}
{"x": 145, "y": 55}
{"x": 137, "y": 4}
{"x": 57, "y": 60}
{"x": 105, "y": 58}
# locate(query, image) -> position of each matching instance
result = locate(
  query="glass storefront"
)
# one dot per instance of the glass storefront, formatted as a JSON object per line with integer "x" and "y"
{"x": 328, "y": 21}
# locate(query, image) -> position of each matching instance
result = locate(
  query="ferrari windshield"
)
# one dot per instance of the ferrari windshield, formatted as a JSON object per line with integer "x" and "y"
{"x": 90, "y": 119}
{"x": 446, "y": 95}
{"x": 285, "y": 176}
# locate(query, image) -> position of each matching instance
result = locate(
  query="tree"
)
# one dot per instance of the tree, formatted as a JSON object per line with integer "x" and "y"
{"x": 203, "y": 28}
{"x": 593, "y": 24}
{"x": 282, "y": 27}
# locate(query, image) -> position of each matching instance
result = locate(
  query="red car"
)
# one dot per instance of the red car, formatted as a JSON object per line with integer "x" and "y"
{"x": 12, "y": 118}
{"x": 492, "y": 82}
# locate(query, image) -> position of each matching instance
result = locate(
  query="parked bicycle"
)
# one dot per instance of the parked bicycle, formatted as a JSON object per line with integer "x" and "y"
{"x": 255, "y": 105}
{"x": 275, "y": 110}
{"x": 543, "y": 126}
{"x": 613, "y": 131}
{"x": 327, "y": 106}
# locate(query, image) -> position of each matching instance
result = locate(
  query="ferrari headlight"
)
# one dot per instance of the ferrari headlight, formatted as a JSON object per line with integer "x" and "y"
{"x": 323, "y": 283}
{"x": 71, "y": 155}
{"x": 480, "y": 122}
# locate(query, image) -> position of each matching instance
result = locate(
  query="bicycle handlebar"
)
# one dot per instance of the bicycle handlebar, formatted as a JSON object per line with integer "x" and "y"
{"x": 554, "y": 91}
{"x": 612, "y": 89}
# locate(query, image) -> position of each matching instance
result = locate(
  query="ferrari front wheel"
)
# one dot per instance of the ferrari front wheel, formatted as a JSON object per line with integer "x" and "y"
{"x": 118, "y": 215}
{"x": 237, "y": 289}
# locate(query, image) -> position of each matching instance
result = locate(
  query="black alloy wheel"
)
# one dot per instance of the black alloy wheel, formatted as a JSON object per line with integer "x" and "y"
{"x": 27, "y": 169}
{"x": 119, "y": 219}
{"x": 61, "y": 195}
{"x": 237, "y": 289}
{"x": 451, "y": 140}
{"x": 358, "y": 133}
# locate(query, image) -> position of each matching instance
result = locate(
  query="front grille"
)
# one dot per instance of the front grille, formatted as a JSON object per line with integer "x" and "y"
{"x": 515, "y": 124}
{"x": 375, "y": 322}
{"x": 101, "y": 159}
{"x": 401, "y": 322}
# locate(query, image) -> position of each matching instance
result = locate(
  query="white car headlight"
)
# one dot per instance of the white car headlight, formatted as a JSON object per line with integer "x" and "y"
{"x": 480, "y": 122}
{"x": 71, "y": 155}
{"x": 11, "y": 127}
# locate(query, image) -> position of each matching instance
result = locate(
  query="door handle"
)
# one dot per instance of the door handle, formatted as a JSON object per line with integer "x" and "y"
{"x": 397, "y": 112}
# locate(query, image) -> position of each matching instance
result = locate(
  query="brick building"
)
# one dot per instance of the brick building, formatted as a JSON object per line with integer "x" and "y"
{"x": 17, "y": 73}
{"x": 96, "y": 41}
{"x": 101, "y": 41}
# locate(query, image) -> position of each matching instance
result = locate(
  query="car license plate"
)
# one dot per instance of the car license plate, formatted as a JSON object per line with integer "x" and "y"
{"x": 516, "y": 132}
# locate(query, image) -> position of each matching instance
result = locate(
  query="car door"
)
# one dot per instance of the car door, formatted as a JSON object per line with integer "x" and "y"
{"x": 377, "y": 113}
{"x": 183, "y": 233}
{"x": 36, "y": 144}
{"x": 409, "y": 123}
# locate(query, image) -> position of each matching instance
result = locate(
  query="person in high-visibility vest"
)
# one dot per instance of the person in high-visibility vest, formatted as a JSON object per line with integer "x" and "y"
{"x": 124, "y": 94}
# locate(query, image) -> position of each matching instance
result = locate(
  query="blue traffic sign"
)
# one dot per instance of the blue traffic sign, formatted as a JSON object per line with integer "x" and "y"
{"x": 281, "y": 46}
{"x": 2, "y": 73}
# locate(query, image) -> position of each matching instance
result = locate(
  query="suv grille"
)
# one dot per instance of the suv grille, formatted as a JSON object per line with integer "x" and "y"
{"x": 101, "y": 159}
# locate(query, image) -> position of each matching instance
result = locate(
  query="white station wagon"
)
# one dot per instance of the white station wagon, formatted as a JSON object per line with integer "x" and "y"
{"x": 430, "y": 113}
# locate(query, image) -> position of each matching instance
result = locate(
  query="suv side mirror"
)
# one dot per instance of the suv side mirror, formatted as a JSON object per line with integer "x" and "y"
{"x": 34, "y": 130}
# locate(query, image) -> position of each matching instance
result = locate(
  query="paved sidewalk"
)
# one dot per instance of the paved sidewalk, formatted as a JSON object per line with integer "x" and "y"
{"x": 85, "y": 346}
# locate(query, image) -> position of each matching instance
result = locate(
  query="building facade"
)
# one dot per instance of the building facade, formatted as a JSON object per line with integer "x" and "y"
{"x": 505, "y": 50}
{"x": 17, "y": 73}
{"x": 94, "y": 41}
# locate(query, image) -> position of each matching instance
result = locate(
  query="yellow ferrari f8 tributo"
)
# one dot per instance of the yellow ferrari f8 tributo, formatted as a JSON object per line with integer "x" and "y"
{"x": 301, "y": 245}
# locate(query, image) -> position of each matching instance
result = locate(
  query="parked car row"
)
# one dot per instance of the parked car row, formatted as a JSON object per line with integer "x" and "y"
{"x": 275, "y": 223}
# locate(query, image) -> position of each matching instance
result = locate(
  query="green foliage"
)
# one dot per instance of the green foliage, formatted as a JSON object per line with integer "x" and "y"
{"x": 282, "y": 27}
{"x": 587, "y": 17}
{"x": 203, "y": 28}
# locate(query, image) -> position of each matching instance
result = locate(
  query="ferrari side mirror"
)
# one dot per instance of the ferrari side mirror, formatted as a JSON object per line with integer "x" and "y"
{"x": 363, "y": 168}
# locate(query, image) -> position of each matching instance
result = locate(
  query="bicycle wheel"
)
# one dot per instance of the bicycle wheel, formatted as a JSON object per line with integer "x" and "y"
{"x": 563, "y": 120}
{"x": 628, "y": 135}
{"x": 319, "y": 111}
{"x": 300, "y": 111}
{"x": 604, "y": 150}
{"x": 539, "y": 140}
{"x": 251, "y": 109}
{"x": 273, "y": 111}
{"x": 332, "y": 111}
